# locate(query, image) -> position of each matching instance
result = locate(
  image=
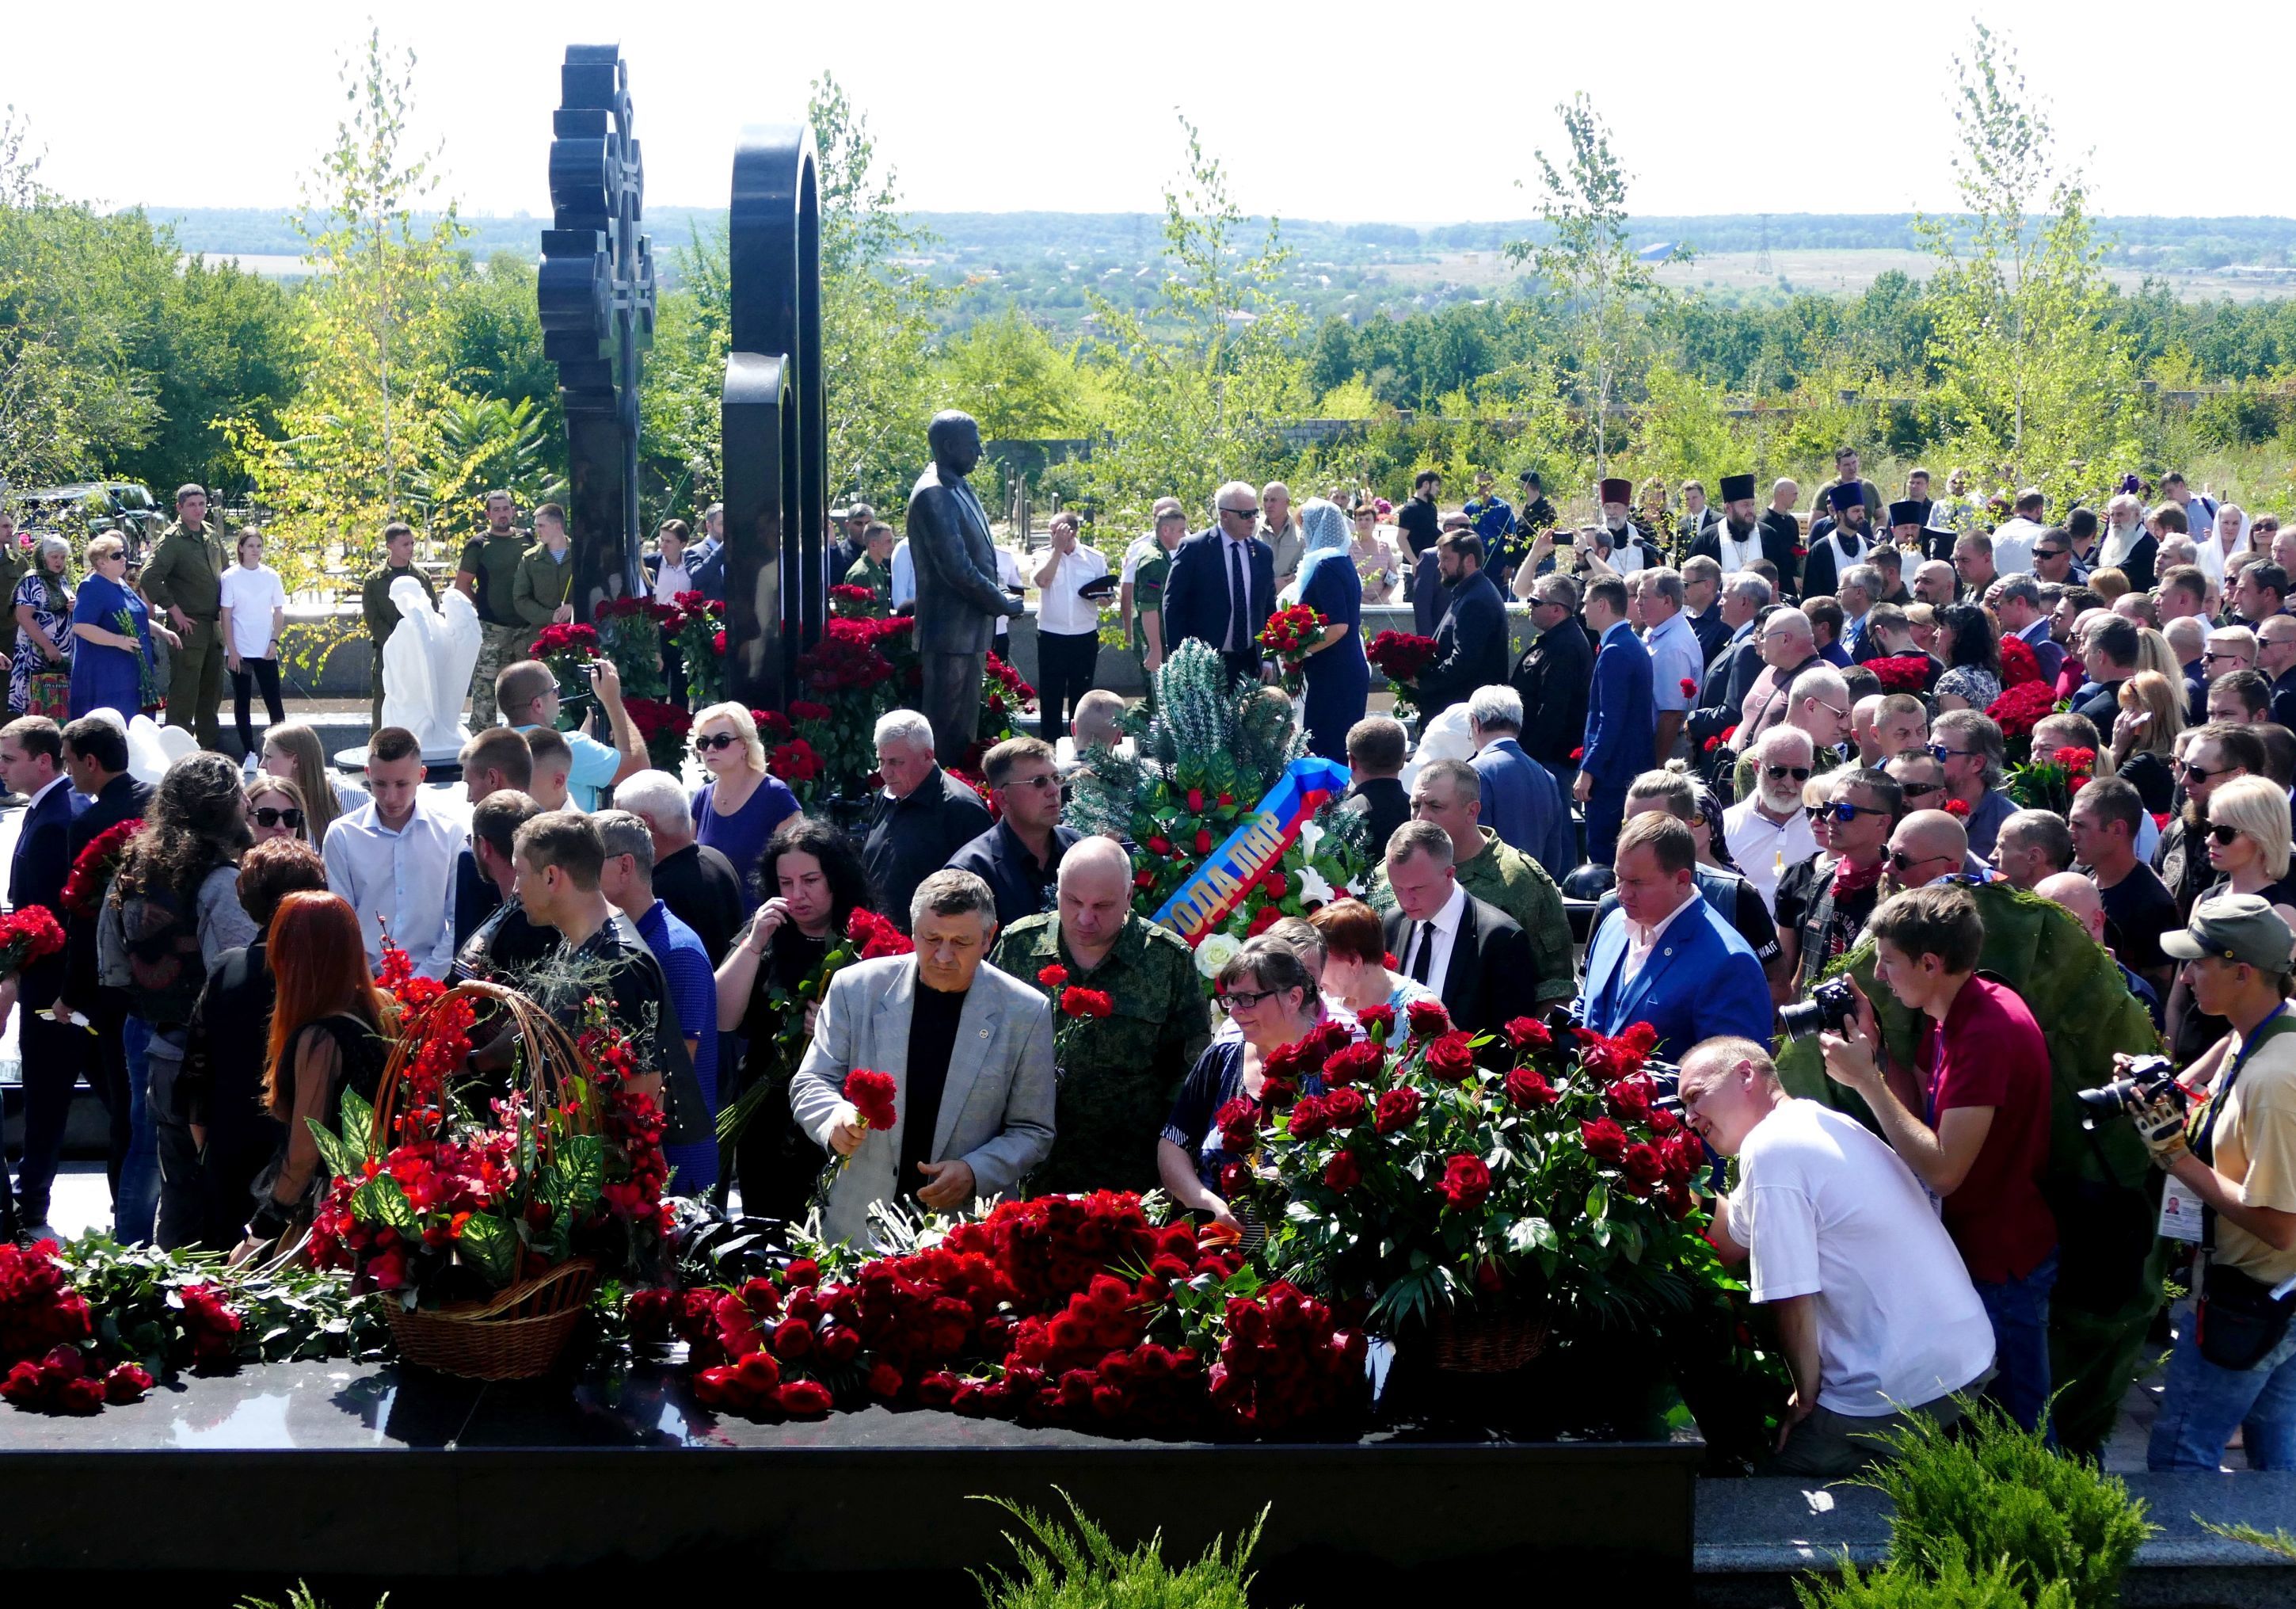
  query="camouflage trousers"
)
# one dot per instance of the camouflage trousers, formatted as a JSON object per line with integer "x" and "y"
{"x": 498, "y": 647}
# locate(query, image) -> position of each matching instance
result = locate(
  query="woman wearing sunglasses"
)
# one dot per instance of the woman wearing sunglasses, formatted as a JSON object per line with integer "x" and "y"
{"x": 2145, "y": 736}
{"x": 274, "y": 809}
{"x": 737, "y": 810}
{"x": 2248, "y": 849}
{"x": 1270, "y": 995}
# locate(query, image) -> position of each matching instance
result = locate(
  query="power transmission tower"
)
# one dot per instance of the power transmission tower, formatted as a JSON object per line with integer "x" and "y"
{"x": 1762, "y": 257}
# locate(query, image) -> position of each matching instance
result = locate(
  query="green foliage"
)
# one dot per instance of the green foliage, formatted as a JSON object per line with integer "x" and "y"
{"x": 300, "y": 1596}
{"x": 1900, "y": 1586}
{"x": 2278, "y": 1541}
{"x": 1997, "y": 1494}
{"x": 286, "y": 1312}
{"x": 480, "y": 444}
{"x": 1010, "y": 376}
{"x": 1075, "y": 1565}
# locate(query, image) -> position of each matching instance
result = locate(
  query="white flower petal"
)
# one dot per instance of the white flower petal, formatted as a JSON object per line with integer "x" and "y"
{"x": 1215, "y": 952}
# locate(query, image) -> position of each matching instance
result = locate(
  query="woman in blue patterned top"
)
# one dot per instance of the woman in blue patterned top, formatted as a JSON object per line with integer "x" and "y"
{"x": 42, "y": 606}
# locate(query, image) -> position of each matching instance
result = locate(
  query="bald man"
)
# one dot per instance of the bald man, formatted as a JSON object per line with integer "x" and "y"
{"x": 1928, "y": 845}
{"x": 2078, "y": 896}
{"x": 1788, "y": 646}
{"x": 1119, "y": 1073}
{"x": 1934, "y": 582}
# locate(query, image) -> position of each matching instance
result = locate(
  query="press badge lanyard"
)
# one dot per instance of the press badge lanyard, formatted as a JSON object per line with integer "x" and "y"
{"x": 2184, "y": 1215}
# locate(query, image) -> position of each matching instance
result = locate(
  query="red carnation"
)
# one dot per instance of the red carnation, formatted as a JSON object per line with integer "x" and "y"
{"x": 1689, "y": 687}
{"x": 1158, "y": 844}
{"x": 1451, "y": 1057}
{"x": 1396, "y": 1110}
{"x": 1078, "y": 1002}
{"x": 1053, "y": 976}
{"x": 1144, "y": 879}
{"x": 885, "y": 1380}
{"x": 1465, "y": 1182}
{"x": 1427, "y": 1019}
{"x": 1955, "y": 807}
{"x": 872, "y": 1095}
{"x": 1604, "y": 1140}
{"x": 1342, "y": 1173}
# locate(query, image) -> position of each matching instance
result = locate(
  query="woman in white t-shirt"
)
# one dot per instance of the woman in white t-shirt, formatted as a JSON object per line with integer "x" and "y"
{"x": 254, "y": 613}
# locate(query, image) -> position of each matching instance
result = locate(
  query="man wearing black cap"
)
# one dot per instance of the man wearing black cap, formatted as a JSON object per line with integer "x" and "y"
{"x": 1739, "y": 537}
{"x": 1845, "y": 544}
{"x": 1632, "y": 547}
{"x": 1906, "y": 518}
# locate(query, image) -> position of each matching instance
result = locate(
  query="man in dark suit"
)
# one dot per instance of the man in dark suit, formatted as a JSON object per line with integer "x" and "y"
{"x": 1621, "y": 719}
{"x": 95, "y": 759}
{"x": 1520, "y": 800}
{"x": 1667, "y": 957}
{"x": 1221, "y": 586}
{"x": 1553, "y": 678}
{"x": 32, "y": 755}
{"x": 960, "y": 595}
{"x": 1471, "y": 643}
{"x": 1471, "y": 954}
{"x": 1731, "y": 677}
{"x": 1701, "y": 592}
{"x": 1376, "y": 747}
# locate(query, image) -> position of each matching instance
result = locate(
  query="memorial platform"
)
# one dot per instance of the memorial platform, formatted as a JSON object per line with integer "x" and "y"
{"x": 366, "y": 1477}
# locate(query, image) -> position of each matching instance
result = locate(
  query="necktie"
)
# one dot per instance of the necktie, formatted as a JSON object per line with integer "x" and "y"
{"x": 1425, "y": 956}
{"x": 1238, "y": 601}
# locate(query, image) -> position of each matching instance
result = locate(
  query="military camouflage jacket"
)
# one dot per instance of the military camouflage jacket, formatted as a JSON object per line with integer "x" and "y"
{"x": 1507, "y": 877}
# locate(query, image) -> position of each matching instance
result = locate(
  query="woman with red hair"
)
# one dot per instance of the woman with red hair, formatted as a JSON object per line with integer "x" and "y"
{"x": 327, "y": 1028}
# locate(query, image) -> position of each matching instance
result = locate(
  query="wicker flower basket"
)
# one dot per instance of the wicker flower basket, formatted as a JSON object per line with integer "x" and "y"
{"x": 515, "y": 1335}
{"x": 1486, "y": 1343}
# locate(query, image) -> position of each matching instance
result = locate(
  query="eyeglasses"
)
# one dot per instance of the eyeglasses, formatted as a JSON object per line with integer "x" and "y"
{"x": 1798, "y": 772}
{"x": 271, "y": 817}
{"x": 2223, "y": 834}
{"x": 1840, "y": 809}
{"x": 1234, "y": 997}
{"x": 1242, "y": 513}
{"x": 716, "y": 740}
{"x": 1042, "y": 780}
{"x": 1829, "y": 709}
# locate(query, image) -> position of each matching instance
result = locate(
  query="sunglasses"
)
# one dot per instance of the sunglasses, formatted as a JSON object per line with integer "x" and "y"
{"x": 1900, "y": 861}
{"x": 1798, "y": 772}
{"x": 2192, "y": 772}
{"x": 269, "y": 816}
{"x": 2051, "y": 553}
{"x": 1242, "y": 513}
{"x": 1840, "y": 809}
{"x": 1941, "y": 753}
{"x": 2212, "y": 656}
{"x": 1922, "y": 790}
{"x": 2223, "y": 834}
{"x": 716, "y": 740}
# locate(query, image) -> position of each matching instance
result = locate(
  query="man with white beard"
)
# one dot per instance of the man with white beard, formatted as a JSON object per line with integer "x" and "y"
{"x": 1631, "y": 547}
{"x": 2126, "y": 545}
{"x": 1768, "y": 831}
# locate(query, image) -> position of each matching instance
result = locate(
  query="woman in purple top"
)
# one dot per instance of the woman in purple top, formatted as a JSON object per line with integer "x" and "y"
{"x": 739, "y": 805}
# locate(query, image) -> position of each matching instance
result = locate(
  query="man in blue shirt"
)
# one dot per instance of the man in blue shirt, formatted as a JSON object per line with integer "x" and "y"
{"x": 527, "y": 694}
{"x": 1677, "y": 661}
{"x": 626, "y": 881}
{"x": 1494, "y": 521}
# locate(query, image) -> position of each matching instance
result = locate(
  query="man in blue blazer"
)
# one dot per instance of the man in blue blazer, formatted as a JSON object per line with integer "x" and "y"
{"x": 1520, "y": 800}
{"x": 31, "y": 763}
{"x": 1622, "y": 718}
{"x": 1221, "y": 586}
{"x": 1665, "y": 957}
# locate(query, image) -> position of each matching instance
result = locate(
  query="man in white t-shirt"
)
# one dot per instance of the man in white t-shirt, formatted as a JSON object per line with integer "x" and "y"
{"x": 1876, "y": 1313}
{"x": 2013, "y": 537}
{"x": 1068, "y": 623}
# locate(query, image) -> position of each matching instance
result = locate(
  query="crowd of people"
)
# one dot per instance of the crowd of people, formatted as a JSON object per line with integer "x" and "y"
{"x": 1752, "y": 804}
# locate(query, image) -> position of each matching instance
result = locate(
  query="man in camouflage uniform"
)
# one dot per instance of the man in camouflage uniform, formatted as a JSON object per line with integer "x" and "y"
{"x": 1448, "y": 793}
{"x": 487, "y": 572}
{"x": 382, "y": 615}
{"x": 183, "y": 576}
{"x": 1119, "y": 1073}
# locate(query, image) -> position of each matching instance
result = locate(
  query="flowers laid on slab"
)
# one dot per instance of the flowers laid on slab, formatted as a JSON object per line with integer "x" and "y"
{"x": 867, "y": 937}
{"x": 1289, "y": 634}
{"x": 1069, "y": 1310}
{"x": 1400, "y": 656}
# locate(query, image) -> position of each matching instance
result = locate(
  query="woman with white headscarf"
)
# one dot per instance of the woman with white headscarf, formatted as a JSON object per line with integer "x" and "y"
{"x": 1338, "y": 676}
{"x": 2213, "y": 550}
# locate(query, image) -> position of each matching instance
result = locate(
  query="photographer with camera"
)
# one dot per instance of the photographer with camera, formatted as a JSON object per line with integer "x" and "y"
{"x": 529, "y": 695}
{"x": 1970, "y": 1117}
{"x": 2232, "y": 1189}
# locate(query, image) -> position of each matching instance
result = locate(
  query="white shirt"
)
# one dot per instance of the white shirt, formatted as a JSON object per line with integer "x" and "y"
{"x": 1444, "y": 926}
{"x": 251, "y": 595}
{"x": 669, "y": 581}
{"x": 404, "y": 881}
{"x": 1059, "y": 609}
{"x": 1764, "y": 849}
{"x": 1641, "y": 942}
{"x": 1143, "y": 549}
{"x": 2013, "y": 544}
{"x": 904, "y": 574}
{"x": 1232, "y": 552}
{"x": 1830, "y": 1211}
{"x": 1008, "y": 572}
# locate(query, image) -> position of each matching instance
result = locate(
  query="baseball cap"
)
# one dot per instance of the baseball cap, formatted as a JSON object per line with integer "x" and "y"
{"x": 2233, "y": 927}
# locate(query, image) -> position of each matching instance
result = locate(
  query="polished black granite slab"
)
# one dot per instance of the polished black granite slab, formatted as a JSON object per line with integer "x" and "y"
{"x": 349, "y": 1463}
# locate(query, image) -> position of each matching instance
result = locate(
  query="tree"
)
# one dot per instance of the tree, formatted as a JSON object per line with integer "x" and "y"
{"x": 1589, "y": 262}
{"x": 1008, "y": 373}
{"x": 349, "y": 453}
{"x": 224, "y": 344}
{"x": 2032, "y": 376}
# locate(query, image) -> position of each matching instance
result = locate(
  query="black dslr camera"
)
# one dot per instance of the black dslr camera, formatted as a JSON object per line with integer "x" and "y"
{"x": 2149, "y": 1078}
{"x": 1830, "y": 1006}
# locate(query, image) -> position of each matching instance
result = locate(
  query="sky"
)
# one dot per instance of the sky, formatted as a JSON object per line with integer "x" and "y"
{"x": 1414, "y": 113}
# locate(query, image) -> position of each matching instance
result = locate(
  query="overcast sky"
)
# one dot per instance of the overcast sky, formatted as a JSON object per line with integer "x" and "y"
{"x": 1415, "y": 112}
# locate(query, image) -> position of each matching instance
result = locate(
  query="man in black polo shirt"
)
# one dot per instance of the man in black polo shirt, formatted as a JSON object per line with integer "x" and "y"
{"x": 508, "y": 942}
{"x": 1420, "y": 522}
{"x": 918, "y": 819}
{"x": 1377, "y": 745}
{"x": 1020, "y": 858}
{"x": 2139, "y": 907}
{"x": 701, "y": 886}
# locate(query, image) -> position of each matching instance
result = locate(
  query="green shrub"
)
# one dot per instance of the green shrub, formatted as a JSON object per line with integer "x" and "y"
{"x": 1085, "y": 1570}
{"x": 1997, "y": 1495}
{"x": 1903, "y": 1586}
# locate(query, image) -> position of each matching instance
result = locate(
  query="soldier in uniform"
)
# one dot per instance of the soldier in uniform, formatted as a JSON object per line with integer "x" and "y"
{"x": 184, "y": 578}
{"x": 542, "y": 583}
{"x": 14, "y": 560}
{"x": 1117, "y": 1073}
{"x": 488, "y": 568}
{"x": 875, "y": 568}
{"x": 382, "y": 614}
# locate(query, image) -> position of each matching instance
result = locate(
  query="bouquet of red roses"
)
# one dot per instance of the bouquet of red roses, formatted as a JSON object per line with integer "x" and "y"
{"x": 2018, "y": 711}
{"x": 849, "y": 602}
{"x": 1903, "y": 672}
{"x": 2018, "y": 663}
{"x": 1400, "y": 656}
{"x": 700, "y": 635}
{"x": 1290, "y": 632}
{"x": 26, "y": 936}
{"x": 93, "y": 867}
{"x": 568, "y": 649}
{"x": 664, "y": 727}
{"x": 2050, "y": 784}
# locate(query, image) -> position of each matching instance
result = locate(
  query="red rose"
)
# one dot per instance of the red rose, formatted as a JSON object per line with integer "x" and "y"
{"x": 803, "y": 1399}
{"x": 1144, "y": 879}
{"x": 1643, "y": 1167}
{"x": 1451, "y": 1058}
{"x": 1528, "y": 1033}
{"x": 1396, "y": 1110}
{"x": 1235, "y": 1179}
{"x": 1465, "y": 1182}
{"x": 1604, "y": 1140}
{"x": 1238, "y": 1122}
{"x": 1308, "y": 1117}
{"x": 1275, "y": 885}
{"x": 128, "y": 1382}
{"x": 1345, "y": 1106}
{"x": 1196, "y": 799}
{"x": 1351, "y": 1064}
{"x": 1342, "y": 1172}
{"x": 1427, "y": 1019}
{"x": 1378, "y": 1021}
{"x": 1689, "y": 686}
{"x": 1631, "y": 1098}
{"x": 1158, "y": 844}
{"x": 1526, "y": 1087}
{"x": 792, "y": 1338}
{"x": 1262, "y": 919}
{"x": 885, "y": 1380}
{"x": 1226, "y": 798}
{"x": 1203, "y": 840}
{"x": 1579, "y": 753}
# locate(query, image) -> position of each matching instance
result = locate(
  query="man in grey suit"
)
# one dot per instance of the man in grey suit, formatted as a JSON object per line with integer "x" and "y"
{"x": 969, "y": 1047}
{"x": 959, "y": 597}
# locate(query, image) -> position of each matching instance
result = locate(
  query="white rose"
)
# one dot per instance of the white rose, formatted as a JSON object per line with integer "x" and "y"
{"x": 1214, "y": 954}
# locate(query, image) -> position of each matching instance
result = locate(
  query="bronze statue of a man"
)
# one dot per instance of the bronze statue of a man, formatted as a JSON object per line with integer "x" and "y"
{"x": 959, "y": 597}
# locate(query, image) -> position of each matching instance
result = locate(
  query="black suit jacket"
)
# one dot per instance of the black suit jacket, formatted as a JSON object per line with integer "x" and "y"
{"x": 35, "y": 876}
{"x": 1196, "y": 592}
{"x": 1382, "y": 802}
{"x": 1711, "y": 632}
{"x": 1553, "y": 678}
{"x": 123, "y": 799}
{"x": 1781, "y": 535}
{"x": 1470, "y": 645}
{"x": 1491, "y": 979}
{"x": 1729, "y": 677}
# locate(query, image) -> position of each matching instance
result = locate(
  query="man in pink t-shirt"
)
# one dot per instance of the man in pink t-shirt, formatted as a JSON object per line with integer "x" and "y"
{"x": 1971, "y": 1119}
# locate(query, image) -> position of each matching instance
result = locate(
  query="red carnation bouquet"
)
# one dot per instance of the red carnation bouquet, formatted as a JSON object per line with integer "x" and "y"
{"x": 1903, "y": 673}
{"x": 26, "y": 936}
{"x": 867, "y": 937}
{"x": 93, "y": 867}
{"x": 1073, "y": 1008}
{"x": 1287, "y": 635}
{"x": 1400, "y": 657}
